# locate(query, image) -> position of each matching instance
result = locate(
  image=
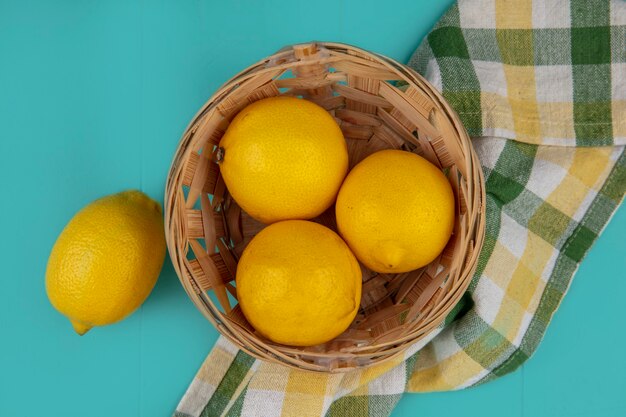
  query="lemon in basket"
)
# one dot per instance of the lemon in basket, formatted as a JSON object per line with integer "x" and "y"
{"x": 298, "y": 283}
{"x": 283, "y": 158}
{"x": 107, "y": 259}
{"x": 396, "y": 211}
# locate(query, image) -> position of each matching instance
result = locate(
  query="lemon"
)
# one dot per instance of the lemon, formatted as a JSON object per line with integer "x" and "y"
{"x": 283, "y": 158}
{"x": 396, "y": 211}
{"x": 298, "y": 283}
{"x": 107, "y": 260}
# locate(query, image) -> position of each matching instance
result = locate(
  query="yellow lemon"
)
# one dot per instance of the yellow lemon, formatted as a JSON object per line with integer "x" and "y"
{"x": 283, "y": 158}
{"x": 298, "y": 283}
{"x": 107, "y": 260}
{"x": 396, "y": 211}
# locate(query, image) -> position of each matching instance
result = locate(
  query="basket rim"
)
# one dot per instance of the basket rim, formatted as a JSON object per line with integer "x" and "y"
{"x": 173, "y": 198}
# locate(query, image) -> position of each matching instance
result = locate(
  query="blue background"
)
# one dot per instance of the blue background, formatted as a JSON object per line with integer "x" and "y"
{"x": 93, "y": 98}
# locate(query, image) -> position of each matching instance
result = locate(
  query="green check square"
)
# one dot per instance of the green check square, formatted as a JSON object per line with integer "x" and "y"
{"x": 505, "y": 189}
{"x": 481, "y": 342}
{"x": 523, "y": 207}
{"x": 578, "y": 244}
{"x": 512, "y": 363}
{"x": 552, "y": 46}
{"x": 615, "y": 187}
{"x": 587, "y": 13}
{"x": 482, "y": 45}
{"x": 457, "y": 74}
{"x": 600, "y": 134}
{"x": 603, "y": 205}
{"x": 591, "y": 45}
{"x": 512, "y": 171}
{"x": 592, "y": 83}
{"x": 467, "y": 105}
{"x": 550, "y": 224}
{"x": 592, "y": 112}
{"x": 551, "y": 297}
{"x": 593, "y": 123}
{"x": 356, "y": 405}
{"x": 590, "y": 135}
{"x": 516, "y": 46}
{"x": 448, "y": 41}
{"x": 380, "y": 405}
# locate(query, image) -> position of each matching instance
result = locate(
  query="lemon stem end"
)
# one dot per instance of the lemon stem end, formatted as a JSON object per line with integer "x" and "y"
{"x": 219, "y": 156}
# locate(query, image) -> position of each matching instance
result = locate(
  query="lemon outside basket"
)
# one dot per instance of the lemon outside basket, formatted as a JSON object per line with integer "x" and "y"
{"x": 379, "y": 104}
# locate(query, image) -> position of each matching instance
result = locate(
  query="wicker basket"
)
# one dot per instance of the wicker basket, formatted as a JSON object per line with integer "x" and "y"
{"x": 379, "y": 104}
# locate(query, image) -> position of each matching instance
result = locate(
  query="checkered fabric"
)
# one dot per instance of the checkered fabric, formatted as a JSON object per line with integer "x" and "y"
{"x": 541, "y": 87}
{"x": 550, "y": 72}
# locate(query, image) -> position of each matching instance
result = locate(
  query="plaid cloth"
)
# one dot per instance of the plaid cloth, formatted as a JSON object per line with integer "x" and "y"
{"x": 541, "y": 87}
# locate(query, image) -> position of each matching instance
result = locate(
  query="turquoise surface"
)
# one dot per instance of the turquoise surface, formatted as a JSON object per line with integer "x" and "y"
{"x": 93, "y": 98}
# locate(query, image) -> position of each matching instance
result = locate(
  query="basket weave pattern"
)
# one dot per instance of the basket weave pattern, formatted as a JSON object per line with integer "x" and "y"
{"x": 379, "y": 104}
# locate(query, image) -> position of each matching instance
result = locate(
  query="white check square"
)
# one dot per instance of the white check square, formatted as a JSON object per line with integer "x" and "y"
{"x": 392, "y": 382}
{"x": 477, "y": 14}
{"x": 262, "y": 403}
{"x": 551, "y": 14}
{"x": 491, "y": 295}
{"x": 618, "y": 13}
{"x": 618, "y": 81}
{"x": 545, "y": 177}
{"x": 554, "y": 83}
{"x": 512, "y": 236}
{"x": 491, "y": 77}
{"x": 488, "y": 150}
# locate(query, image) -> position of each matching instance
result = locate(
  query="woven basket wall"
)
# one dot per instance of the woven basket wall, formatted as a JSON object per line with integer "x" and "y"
{"x": 379, "y": 104}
